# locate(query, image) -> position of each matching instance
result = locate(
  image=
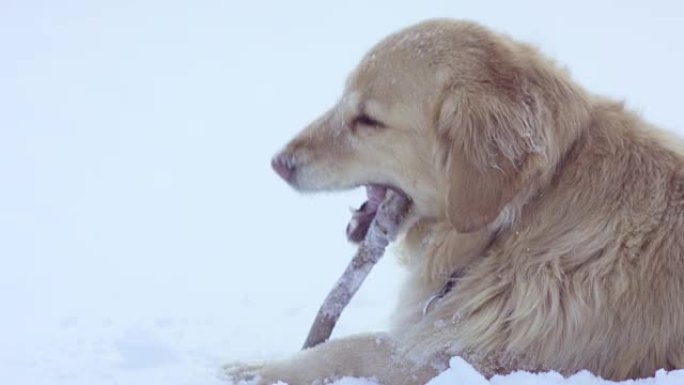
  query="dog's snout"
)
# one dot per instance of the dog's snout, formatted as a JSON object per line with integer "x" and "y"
{"x": 283, "y": 164}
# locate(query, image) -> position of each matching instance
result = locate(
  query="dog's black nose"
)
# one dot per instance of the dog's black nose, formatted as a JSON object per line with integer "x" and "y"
{"x": 283, "y": 165}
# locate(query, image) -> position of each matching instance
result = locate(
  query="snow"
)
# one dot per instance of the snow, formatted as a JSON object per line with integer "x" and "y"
{"x": 461, "y": 373}
{"x": 144, "y": 238}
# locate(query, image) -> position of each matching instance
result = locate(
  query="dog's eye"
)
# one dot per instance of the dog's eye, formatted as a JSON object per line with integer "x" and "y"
{"x": 365, "y": 120}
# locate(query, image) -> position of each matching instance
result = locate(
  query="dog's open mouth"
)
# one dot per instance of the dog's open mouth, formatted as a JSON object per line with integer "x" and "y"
{"x": 363, "y": 216}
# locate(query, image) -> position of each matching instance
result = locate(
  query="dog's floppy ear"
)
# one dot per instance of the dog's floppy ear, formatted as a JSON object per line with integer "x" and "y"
{"x": 495, "y": 146}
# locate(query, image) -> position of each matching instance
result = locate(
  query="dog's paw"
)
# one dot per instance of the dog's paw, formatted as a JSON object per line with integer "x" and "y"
{"x": 239, "y": 373}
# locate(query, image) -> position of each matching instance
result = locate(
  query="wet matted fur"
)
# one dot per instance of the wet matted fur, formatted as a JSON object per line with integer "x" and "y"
{"x": 560, "y": 212}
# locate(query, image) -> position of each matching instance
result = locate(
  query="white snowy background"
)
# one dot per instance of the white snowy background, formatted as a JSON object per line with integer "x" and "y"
{"x": 144, "y": 238}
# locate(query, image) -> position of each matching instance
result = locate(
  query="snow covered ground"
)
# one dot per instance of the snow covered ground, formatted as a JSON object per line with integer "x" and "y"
{"x": 144, "y": 238}
{"x": 461, "y": 373}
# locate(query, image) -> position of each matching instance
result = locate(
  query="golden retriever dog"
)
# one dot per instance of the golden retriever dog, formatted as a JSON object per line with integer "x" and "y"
{"x": 546, "y": 229}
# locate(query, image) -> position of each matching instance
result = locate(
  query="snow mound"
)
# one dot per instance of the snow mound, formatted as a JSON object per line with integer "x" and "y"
{"x": 461, "y": 373}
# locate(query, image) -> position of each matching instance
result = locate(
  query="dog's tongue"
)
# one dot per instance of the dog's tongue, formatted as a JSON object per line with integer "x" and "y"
{"x": 361, "y": 219}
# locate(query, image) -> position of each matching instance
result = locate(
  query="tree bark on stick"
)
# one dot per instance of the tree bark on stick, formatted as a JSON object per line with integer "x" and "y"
{"x": 383, "y": 229}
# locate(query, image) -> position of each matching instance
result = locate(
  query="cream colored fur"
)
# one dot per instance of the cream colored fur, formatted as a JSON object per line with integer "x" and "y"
{"x": 562, "y": 211}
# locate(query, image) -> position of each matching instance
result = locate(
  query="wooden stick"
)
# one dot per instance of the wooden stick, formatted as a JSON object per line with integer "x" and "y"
{"x": 383, "y": 229}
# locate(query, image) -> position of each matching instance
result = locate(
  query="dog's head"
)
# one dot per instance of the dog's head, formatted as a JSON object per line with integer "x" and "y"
{"x": 454, "y": 116}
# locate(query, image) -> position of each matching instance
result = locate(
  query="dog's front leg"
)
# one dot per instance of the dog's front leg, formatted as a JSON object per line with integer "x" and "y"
{"x": 366, "y": 356}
